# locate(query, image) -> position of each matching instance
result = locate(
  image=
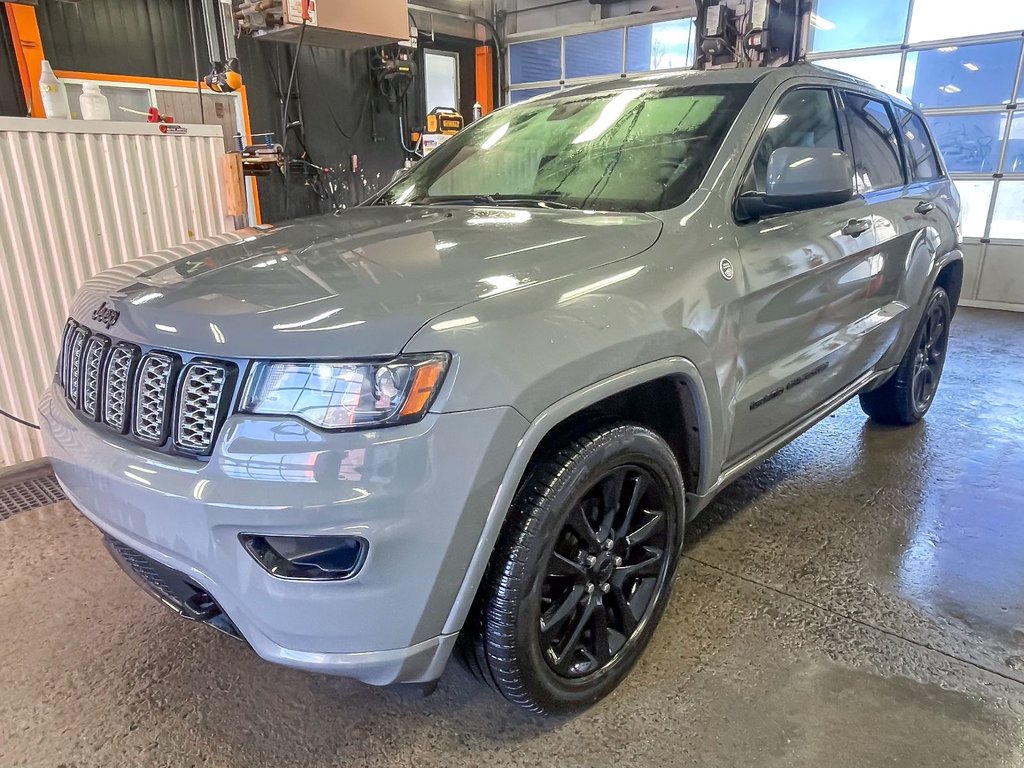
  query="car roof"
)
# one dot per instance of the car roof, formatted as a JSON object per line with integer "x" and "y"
{"x": 745, "y": 75}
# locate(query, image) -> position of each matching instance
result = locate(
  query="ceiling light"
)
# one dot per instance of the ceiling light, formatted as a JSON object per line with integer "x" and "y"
{"x": 971, "y": 66}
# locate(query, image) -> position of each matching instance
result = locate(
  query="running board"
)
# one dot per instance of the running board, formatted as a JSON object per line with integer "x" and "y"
{"x": 731, "y": 473}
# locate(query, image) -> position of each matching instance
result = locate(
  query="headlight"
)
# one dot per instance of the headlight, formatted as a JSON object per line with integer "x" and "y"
{"x": 346, "y": 395}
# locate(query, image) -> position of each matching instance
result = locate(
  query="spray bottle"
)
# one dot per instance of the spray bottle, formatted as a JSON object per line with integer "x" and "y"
{"x": 55, "y": 95}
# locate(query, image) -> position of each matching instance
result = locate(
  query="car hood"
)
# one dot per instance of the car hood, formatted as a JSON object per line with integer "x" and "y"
{"x": 357, "y": 283}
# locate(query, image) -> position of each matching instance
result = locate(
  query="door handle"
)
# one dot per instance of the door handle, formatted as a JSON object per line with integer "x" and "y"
{"x": 925, "y": 206}
{"x": 856, "y": 227}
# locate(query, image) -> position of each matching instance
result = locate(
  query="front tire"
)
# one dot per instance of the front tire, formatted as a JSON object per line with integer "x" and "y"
{"x": 906, "y": 397}
{"x": 582, "y": 571}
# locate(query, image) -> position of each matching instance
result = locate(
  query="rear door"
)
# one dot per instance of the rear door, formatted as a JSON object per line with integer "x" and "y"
{"x": 807, "y": 284}
{"x": 924, "y": 221}
{"x": 899, "y": 175}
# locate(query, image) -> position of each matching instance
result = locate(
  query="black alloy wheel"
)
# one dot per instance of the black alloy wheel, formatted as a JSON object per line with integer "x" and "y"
{"x": 931, "y": 355}
{"x": 908, "y": 394}
{"x": 602, "y": 576}
{"x": 582, "y": 571}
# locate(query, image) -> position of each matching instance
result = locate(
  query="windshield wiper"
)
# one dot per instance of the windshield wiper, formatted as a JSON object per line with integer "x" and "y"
{"x": 498, "y": 199}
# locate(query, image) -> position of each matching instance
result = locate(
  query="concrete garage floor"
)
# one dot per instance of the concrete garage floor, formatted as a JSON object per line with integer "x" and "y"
{"x": 858, "y": 600}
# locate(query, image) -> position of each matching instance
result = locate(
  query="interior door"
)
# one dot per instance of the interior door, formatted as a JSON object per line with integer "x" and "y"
{"x": 808, "y": 279}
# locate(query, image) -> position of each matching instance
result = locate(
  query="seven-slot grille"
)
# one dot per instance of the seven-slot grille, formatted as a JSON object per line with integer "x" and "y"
{"x": 149, "y": 395}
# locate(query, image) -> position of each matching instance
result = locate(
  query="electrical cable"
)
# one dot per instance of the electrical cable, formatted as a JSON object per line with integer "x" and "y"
{"x": 288, "y": 91}
{"x": 21, "y": 421}
{"x": 401, "y": 135}
{"x": 195, "y": 60}
{"x": 284, "y": 120}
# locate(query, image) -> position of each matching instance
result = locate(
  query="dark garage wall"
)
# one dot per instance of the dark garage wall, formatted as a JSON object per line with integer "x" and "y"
{"x": 330, "y": 95}
{"x": 12, "y": 102}
{"x": 150, "y": 38}
{"x": 146, "y": 38}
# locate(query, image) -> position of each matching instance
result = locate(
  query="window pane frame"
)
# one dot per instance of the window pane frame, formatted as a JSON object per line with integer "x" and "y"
{"x": 901, "y": 160}
{"x": 929, "y": 11}
{"x": 515, "y": 49}
{"x": 822, "y": 25}
{"x": 920, "y": 126}
{"x": 569, "y": 66}
{"x": 955, "y": 97}
{"x": 636, "y": 29}
{"x": 748, "y": 181}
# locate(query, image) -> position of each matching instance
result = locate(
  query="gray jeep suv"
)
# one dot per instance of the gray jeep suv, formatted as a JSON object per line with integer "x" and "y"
{"x": 480, "y": 410}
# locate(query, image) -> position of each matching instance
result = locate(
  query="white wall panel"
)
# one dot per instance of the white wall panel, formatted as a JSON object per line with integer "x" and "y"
{"x": 77, "y": 198}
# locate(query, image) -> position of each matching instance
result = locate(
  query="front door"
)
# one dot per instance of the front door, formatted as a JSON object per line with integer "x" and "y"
{"x": 808, "y": 286}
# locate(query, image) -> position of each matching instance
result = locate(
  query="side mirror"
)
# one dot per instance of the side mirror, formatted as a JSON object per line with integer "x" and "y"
{"x": 800, "y": 179}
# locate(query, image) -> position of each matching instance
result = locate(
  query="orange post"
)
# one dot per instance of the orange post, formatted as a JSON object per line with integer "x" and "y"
{"x": 28, "y": 52}
{"x": 485, "y": 79}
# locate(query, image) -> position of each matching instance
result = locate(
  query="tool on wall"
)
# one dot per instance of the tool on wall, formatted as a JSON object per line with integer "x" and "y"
{"x": 152, "y": 115}
{"x": 224, "y": 77}
{"x": 442, "y": 124}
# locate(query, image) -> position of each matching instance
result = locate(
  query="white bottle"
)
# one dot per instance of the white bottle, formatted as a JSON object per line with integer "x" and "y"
{"x": 55, "y": 95}
{"x": 93, "y": 104}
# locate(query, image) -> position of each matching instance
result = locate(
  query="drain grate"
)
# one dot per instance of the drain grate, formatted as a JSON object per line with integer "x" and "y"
{"x": 30, "y": 493}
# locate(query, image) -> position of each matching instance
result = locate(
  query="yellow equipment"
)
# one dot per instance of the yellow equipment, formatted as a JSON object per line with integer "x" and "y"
{"x": 445, "y": 121}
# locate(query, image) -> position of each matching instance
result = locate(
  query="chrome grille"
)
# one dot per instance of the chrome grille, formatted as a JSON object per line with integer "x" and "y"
{"x": 120, "y": 367}
{"x": 152, "y": 396}
{"x": 131, "y": 392}
{"x": 74, "y": 365}
{"x": 65, "y": 352}
{"x": 95, "y": 352}
{"x": 199, "y": 397}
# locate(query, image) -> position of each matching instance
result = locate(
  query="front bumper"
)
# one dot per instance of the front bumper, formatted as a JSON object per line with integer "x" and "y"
{"x": 418, "y": 493}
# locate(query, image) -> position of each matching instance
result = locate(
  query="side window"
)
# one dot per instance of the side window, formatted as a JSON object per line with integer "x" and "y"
{"x": 805, "y": 117}
{"x": 920, "y": 152}
{"x": 876, "y": 153}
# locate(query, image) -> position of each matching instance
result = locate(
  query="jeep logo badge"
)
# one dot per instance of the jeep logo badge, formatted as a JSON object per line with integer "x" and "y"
{"x": 106, "y": 315}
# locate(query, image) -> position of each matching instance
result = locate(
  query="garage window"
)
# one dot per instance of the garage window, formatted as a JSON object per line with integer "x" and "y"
{"x": 593, "y": 54}
{"x": 969, "y": 143}
{"x": 579, "y": 58}
{"x": 535, "y": 61}
{"x": 962, "y": 76}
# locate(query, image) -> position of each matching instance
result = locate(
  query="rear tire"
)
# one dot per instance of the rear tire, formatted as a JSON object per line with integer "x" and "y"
{"x": 906, "y": 397}
{"x": 582, "y": 571}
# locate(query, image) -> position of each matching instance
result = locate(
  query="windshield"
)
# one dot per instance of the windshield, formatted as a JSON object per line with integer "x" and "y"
{"x": 641, "y": 149}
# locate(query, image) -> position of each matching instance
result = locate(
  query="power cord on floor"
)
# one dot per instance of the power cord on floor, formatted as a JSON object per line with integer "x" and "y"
{"x": 12, "y": 417}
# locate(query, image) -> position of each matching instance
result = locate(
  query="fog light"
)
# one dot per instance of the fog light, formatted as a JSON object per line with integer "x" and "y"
{"x": 311, "y": 558}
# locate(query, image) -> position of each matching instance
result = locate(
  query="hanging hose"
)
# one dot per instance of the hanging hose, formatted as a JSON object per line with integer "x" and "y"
{"x": 12, "y": 417}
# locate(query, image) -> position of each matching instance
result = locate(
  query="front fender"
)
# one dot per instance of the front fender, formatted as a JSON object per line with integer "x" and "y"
{"x": 544, "y": 423}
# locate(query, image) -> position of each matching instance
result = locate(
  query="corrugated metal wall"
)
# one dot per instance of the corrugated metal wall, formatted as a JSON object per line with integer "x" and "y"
{"x": 150, "y": 38}
{"x": 74, "y": 201}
